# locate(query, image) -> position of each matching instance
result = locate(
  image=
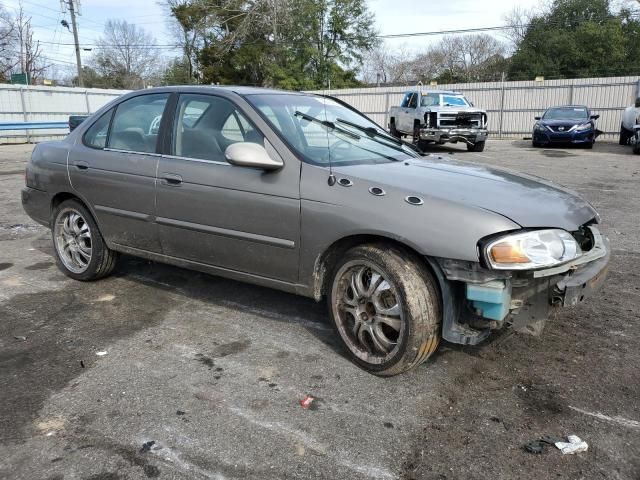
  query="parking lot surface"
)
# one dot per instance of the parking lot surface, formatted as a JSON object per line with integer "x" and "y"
{"x": 212, "y": 371}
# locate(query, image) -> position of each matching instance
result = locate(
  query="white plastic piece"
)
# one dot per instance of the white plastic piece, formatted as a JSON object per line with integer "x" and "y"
{"x": 574, "y": 445}
{"x": 101, "y": 354}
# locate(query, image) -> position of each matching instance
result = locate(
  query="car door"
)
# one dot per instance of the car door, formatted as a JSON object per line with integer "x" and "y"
{"x": 113, "y": 168}
{"x": 211, "y": 212}
{"x": 407, "y": 113}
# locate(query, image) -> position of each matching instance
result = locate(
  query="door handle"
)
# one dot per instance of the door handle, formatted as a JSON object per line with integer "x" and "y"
{"x": 81, "y": 165}
{"x": 171, "y": 179}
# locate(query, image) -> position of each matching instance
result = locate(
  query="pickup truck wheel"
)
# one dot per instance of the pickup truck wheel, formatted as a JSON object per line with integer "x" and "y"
{"x": 636, "y": 146}
{"x": 392, "y": 129}
{"x": 81, "y": 252}
{"x": 416, "y": 135}
{"x": 476, "y": 147}
{"x": 386, "y": 309}
{"x": 625, "y": 135}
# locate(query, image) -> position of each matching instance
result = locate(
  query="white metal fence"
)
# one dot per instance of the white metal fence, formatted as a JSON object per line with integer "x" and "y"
{"x": 511, "y": 106}
{"x": 29, "y": 104}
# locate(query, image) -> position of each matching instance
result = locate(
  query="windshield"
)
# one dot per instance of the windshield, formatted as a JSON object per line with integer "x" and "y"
{"x": 454, "y": 101}
{"x": 577, "y": 113}
{"x": 322, "y": 130}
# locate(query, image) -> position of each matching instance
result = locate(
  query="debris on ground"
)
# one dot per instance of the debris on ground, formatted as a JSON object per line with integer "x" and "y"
{"x": 146, "y": 446}
{"x": 538, "y": 446}
{"x": 22, "y": 338}
{"x": 307, "y": 402}
{"x": 574, "y": 445}
{"x": 101, "y": 354}
{"x": 82, "y": 363}
{"x": 180, "y": 412}
{"x": 568, "y": 445}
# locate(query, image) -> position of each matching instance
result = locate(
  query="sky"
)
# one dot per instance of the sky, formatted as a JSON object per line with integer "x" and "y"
{"x": 392, "y": 17}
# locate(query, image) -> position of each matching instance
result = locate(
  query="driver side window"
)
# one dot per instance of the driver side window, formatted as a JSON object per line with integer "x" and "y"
{"x": 205, "y": 125}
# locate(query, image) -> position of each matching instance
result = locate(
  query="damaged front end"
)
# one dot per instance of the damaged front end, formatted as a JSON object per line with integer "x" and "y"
{"x": 453, "y": 126}
{"x": 478, "y": 299}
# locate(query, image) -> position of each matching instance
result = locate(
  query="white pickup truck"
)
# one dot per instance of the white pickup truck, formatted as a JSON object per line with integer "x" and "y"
{"x": 439, "y": 116}
{"x": 630, "y": 128}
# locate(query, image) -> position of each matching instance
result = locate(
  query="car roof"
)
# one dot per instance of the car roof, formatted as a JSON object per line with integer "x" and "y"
{"x": 569, "y": 106}
{"x": 240, "y": 90}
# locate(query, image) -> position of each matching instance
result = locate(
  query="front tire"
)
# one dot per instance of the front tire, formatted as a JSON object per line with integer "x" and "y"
{"x": 81, "y": 252}
{"x": 476, "y": 147}
{"x": 386, "y": 308}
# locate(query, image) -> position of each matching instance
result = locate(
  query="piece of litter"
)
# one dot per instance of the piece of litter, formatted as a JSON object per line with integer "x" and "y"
{"x": 22, "y": 338}
{"x": 574, "y": 445}
{"x": 101, "y": 354}
{"x": 535, "y": 446}
{"x": 307, "y": 402}
{"x": 50, "y": 434}
{"x": 81, "y": 363}
{"x": 146, "y": 446}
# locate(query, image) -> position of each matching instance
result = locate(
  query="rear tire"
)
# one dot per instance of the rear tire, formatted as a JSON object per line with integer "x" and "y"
{"x": 385, "y": 307}
{"x": 476, "y": 147}
{"x": 392, "y": 129}
{"x": 636, "y": 146}
{"x": 81, "y": 252}
{"x": 625, "y": 136}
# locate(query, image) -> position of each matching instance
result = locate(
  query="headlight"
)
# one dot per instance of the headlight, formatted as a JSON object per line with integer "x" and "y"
{"x": 530, "y": 250}
{"x": 537, "y": 126}
{"x": 584, "y": 127}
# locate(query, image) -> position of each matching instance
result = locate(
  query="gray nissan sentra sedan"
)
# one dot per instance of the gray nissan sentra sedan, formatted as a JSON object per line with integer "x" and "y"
{"x": 303, "y": 193}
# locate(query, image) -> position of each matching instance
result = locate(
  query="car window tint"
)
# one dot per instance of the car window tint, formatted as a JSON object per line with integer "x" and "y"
{"x": 430, "y": 100}
{"x": 96, "y": 135}
{"x": 136, "y": 123}
{"x": 456, "y": 101}
{"x": 406, "y": 99}
{"x": 205, "y": 125}
{"x": 413, "y": 101}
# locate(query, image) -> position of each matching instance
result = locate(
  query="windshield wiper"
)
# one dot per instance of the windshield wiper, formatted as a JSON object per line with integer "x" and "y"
{"x": 327, "y": 124}
{"x": 371, "y": 132}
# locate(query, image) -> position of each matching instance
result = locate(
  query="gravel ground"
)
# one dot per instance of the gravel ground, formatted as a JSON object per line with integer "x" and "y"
{"x": 212, "y": 370}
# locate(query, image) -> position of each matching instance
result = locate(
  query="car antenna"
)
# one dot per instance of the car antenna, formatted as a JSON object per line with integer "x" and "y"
{"x": 332, "y": 178}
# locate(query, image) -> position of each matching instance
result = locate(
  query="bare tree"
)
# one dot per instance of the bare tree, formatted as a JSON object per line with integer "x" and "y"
{"x": 517, "y": 21}
{"x": 125, "y": 55}
{"x": 8, "y": 42}
{"x": 384, "y": 66}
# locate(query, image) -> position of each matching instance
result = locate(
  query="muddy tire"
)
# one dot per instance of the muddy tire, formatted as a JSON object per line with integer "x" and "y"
{"x": 392, "y": 129}
{"x": 81, "y": 252}
{"x": 625, "y": 136}
{"x": 386, "y": 308}
{"x": 416, "y": 134}
{"x": 476, "y": 147}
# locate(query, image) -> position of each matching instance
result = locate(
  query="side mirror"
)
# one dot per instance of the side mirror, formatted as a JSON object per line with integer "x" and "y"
{"x": 536, "y": 118}
{"x": 245, "y": 154}
{"x": 595, "y": 117}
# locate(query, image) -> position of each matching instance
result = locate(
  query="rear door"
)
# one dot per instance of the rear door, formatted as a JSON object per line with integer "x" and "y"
{"x": 113, "y": 167}
{"x": 212, "y": 212}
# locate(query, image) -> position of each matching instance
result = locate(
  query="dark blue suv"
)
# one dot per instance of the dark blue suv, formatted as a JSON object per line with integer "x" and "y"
{"x": 571, "y": 124}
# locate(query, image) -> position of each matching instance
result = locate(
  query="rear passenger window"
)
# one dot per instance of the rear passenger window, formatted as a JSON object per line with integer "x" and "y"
{"x": 206, "y": 125}
{"x": 136, "y": 123}
{"x": 96, "y": 135}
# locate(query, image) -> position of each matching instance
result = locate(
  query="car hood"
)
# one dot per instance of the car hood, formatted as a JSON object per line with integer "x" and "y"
{"x": 563, "y": 123}
{"x": 526, "y": 200}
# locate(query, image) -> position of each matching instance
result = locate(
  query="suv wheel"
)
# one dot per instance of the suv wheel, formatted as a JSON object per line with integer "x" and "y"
{"x": 386, "y": 309}
{"x": 80, "y": 249}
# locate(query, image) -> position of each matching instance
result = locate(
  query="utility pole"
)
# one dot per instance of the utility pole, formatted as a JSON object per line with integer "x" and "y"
{"x": 72, "y": 12}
